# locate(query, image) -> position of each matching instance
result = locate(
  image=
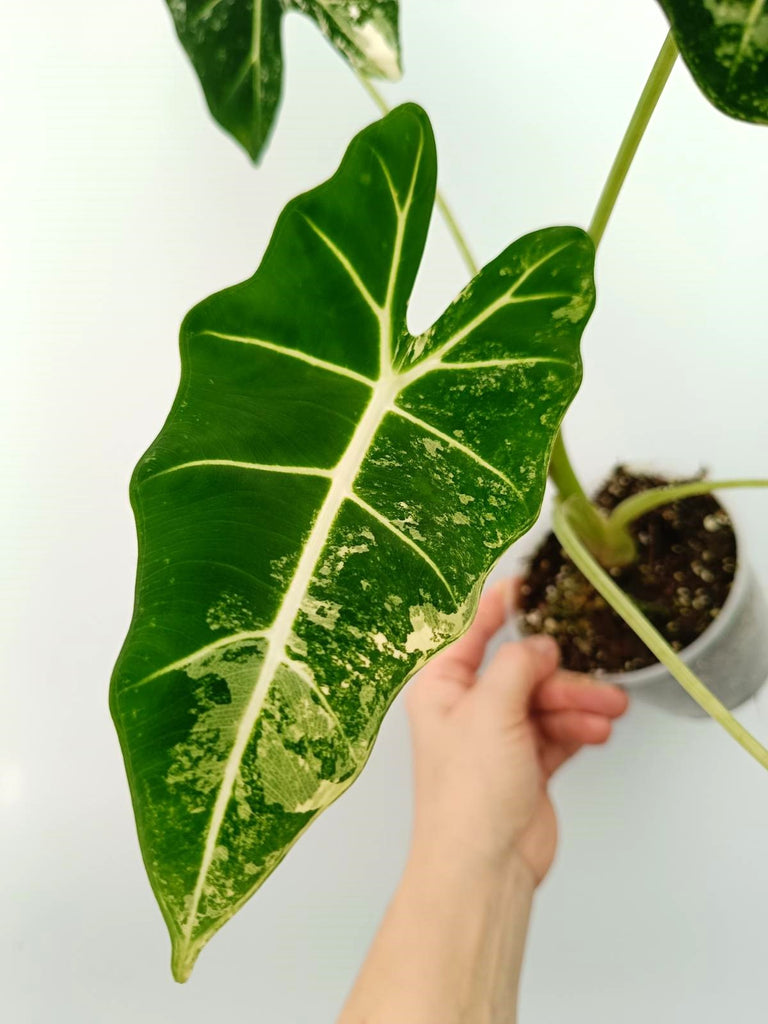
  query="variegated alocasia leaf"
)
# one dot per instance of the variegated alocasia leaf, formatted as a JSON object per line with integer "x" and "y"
{"x": 725, "y": 44}
{"x": 319, "y": 512}
{"x": 236, "y": 49}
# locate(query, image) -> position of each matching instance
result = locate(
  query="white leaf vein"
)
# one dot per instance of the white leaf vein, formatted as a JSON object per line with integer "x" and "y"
{"x": 403, "y": 212}
{"x": 348, "y": 266}
{"x": 261, "y": 467}
{"x": 390, "y": 183}
{"x": 402, "y": 536}
{"x": 294, "y": 353}
{"x": 481, "y": 364}
{"x": 303, "y": 672}
{"x": 506, "y": 299}
{"x": 199, "y": 655}
{"x": 459, "y": 446}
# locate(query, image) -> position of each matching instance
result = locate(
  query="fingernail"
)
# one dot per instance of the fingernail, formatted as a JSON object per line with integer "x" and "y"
{"x": 542, "y": 643}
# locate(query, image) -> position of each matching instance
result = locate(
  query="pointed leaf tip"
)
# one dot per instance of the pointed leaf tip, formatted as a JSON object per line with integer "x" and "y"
{"x": 182, "y": 960}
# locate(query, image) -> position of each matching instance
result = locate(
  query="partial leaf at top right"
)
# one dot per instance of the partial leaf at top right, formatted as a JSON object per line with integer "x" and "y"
{"x": 725, "y": 45}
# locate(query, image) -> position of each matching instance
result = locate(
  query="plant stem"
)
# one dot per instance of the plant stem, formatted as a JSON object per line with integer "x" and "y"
{"x": 456, "y": 233}
{"x": 373, "y": 92}
{"x": 611, "y": 544}
{"x": 634, "y": 133}
{"x": 450, "y": 220}
{"x": 638, "y": 504}
{"x": 562, "y": 472}
{"x": 617, "y": 544}
{"x": 635, "y": 619}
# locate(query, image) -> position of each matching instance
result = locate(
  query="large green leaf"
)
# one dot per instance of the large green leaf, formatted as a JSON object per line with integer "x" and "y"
{"x": 725, "y": 44}
{"x": 319, "y": 512}
{"x": 236, "y": 50}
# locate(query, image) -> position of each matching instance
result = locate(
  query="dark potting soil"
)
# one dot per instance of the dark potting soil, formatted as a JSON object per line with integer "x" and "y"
{"x": 686, "y": 565}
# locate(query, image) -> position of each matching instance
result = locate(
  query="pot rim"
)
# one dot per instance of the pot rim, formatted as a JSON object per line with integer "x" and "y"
{"x": 741, "y": 581}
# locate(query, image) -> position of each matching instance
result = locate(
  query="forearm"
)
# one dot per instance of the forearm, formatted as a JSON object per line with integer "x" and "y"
{"x": 450, "y": 948}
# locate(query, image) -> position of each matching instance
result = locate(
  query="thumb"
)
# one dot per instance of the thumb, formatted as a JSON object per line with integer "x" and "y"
{"x": 518, "y": 668}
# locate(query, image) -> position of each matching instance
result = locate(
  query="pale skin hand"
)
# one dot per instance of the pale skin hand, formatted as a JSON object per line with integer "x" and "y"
{"x": 485, "y": 747}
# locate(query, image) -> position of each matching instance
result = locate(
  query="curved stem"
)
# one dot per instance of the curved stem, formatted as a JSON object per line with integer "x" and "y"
{"x": 456, "y": 233}
{"x": 635, "y": 619}
{"x": 450, "y": 220}
{"x": 562, "y": 473}
{"x": 617, "y": 544}
{"x": 638, "y": 504}
{"x": 373, "y": 92}
{"x": 634, "y": 133}
{"x": 611, "y": 544}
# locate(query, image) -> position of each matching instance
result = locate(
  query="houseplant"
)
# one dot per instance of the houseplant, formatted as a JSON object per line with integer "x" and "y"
{"x": 270, "y": 636}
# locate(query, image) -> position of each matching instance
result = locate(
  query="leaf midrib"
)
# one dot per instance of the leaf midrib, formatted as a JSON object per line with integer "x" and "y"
{"x": 382, "y": 397}
{"x": 279, "y": 633}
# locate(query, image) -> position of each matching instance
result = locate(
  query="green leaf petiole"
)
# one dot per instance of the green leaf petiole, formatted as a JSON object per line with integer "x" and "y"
{"x": 646, "y": 105}
{"x": 609, "y": 540}
{"x": 638, "y": 504}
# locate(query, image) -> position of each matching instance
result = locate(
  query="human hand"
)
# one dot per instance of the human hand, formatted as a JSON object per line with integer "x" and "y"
{"x": 485, "y": 746}
{"x": 451, "y": 945}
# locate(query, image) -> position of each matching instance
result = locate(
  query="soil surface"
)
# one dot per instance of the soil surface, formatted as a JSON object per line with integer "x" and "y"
{"x": 686, "y": 564}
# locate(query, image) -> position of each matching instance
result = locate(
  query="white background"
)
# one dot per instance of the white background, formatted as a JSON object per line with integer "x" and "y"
{"x": 121, "y": 205}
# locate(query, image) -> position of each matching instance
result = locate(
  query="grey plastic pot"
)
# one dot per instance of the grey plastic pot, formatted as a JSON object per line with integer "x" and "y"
{"x": 730, "y": 656}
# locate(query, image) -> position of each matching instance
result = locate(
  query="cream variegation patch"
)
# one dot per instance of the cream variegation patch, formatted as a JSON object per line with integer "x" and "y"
{"x": 431, "y": 628}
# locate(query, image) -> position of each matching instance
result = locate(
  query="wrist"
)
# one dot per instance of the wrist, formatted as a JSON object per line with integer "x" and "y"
{"x": 457, "y": 868}
{"x": 450, "y": 948}
{"x": 455, "y": 881}
{"x": 473, "y": 917}
{"x": 497, "y": 866}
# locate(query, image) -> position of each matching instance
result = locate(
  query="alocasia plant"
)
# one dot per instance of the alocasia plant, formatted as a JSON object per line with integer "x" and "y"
{"x": 329, "y": 492}
{"x": 320, "y": 510}
{"x": 236, "y": 49}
